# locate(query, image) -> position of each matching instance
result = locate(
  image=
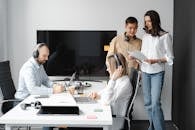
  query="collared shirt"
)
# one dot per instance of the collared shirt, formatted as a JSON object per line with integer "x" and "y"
{"x": 119, "y": 45}
{"x": 33, "y": 80}
{"x": 157, "y": 48}
{"x": 117, "y": 94}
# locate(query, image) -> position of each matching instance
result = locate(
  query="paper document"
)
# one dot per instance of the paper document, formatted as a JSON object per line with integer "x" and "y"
{"x": 61, "y": 99}
{"x": 138, "y": 55}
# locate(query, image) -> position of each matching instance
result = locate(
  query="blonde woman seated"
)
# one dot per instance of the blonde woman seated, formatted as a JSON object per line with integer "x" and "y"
{"x": 119, "y": 89}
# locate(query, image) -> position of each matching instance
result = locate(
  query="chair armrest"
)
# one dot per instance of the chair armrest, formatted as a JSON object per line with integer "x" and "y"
{"x": 10, "y": 100}
{"x": 119, "y": 116}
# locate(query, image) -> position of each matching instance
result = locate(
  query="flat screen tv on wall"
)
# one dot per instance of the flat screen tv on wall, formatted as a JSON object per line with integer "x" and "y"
{"x": 76, "y": 51}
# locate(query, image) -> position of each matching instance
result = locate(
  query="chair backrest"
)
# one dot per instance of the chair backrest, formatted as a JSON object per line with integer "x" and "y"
{"x": 6, "y": 83}
{"x": 135, "y": 81}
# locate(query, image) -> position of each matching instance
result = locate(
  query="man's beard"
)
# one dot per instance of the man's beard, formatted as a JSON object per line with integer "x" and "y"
{"x": 41, "y": 62}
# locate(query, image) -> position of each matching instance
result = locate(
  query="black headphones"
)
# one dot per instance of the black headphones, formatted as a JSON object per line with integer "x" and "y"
{"x": 127, "y": 38}
{"x": 36, "y": 52}
{"x": 118, "y": 62}
{"x": 36, "y": 105}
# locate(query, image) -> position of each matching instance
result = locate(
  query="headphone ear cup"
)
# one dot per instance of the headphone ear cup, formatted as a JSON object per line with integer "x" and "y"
{"x": 36, "y": 54}
{"x": 127, "y": 38}
{"x": 37, "y": 105}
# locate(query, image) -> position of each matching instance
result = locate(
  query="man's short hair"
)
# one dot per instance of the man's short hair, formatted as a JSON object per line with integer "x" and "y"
{"x": 131, "y": 20}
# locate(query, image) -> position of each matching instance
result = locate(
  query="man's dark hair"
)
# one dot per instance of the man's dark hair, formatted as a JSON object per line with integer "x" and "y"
{"x": 131, "y": 20}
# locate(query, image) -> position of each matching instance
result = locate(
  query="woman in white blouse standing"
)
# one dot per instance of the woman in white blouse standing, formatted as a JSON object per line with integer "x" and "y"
{"x": 119, "y": 89}
{"x": 157, "y": 47}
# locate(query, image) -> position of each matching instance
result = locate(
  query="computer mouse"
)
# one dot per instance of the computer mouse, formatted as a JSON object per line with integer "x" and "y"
{"x": 66, "y": 79}
{"x": 86, "y": 84}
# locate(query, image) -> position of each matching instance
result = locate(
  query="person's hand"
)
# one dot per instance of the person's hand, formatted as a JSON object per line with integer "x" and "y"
{"x": 117, "y": 73}
{"x": 57, "y": 88}
{"x": 71, "y": 90}
{"x": 94, "y": 95}
{"x": 131, "y": 57}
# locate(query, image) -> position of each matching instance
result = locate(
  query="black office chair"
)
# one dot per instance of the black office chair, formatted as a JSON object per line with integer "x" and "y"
{"x": 7, "y": 88}
{"x": 7, "y": 91}
{"x": 135, "y": 77}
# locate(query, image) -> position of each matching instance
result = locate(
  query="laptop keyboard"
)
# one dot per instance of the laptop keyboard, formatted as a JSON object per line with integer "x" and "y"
{"x": 84, "y": 100}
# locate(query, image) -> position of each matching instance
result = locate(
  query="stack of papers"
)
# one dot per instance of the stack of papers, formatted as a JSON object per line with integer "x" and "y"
{"x": 138, "y": 55}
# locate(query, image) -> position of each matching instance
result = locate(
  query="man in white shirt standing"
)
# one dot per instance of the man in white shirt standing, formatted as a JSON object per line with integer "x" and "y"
{"x": 33, "y": 78}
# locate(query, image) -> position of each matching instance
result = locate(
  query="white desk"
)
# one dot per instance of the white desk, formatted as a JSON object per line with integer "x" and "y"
{"x": 29, "y": 117}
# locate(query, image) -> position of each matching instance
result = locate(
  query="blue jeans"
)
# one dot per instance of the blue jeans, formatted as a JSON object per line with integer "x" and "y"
{"x": 152, "y": 88}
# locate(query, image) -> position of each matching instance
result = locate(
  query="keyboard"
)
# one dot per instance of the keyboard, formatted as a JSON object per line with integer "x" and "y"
{"x": 84, "y": 100}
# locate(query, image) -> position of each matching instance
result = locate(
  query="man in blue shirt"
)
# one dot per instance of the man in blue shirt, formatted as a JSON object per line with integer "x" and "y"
{"x": 33, "y": 78}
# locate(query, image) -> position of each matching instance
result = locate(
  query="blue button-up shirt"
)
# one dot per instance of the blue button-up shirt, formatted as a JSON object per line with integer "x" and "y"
{"x": 33, "y": 80}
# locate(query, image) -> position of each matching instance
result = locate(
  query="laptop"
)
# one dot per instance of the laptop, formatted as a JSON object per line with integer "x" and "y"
{"x": 61, "y": 110}
{"x": 70, "y": 81}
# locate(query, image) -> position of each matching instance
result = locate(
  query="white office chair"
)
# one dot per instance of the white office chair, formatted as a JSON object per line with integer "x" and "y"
{"x": 135, "y": 77}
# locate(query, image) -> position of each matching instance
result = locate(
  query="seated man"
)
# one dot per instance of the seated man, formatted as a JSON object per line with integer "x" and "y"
{"x": 33, "y": 78}
{"x": 119, "y": 89}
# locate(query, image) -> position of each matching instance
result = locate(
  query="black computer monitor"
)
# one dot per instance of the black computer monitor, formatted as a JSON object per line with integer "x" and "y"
{"x": 80, "y": 51}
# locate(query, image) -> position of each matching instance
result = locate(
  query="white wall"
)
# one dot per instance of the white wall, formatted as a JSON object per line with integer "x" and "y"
{"x": 27, "y": 16}
{"x": 3, "y": 30}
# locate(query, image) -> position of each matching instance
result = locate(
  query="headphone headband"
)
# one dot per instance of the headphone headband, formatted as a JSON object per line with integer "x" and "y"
{"x": 127, "y": 38}
{"x": 39, "y": 45}
{"x": 118, "y": 63}
{"x": 36, "y": 50}
{"x": 36, "y": 105}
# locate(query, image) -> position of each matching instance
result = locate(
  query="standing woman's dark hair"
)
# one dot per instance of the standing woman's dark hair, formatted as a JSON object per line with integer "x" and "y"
{"x": 156, "y": 24}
